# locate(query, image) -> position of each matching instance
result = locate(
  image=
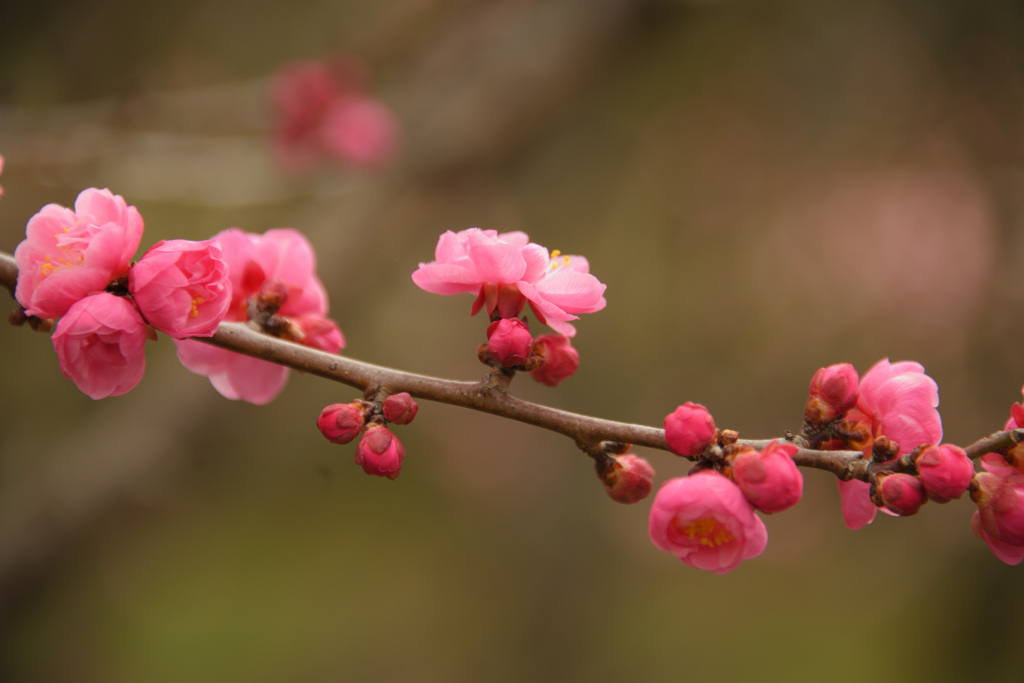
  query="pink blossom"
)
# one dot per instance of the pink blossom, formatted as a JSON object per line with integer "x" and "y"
{"x": 99, "y": 344}
{"x": 380, "y": 452}
{"x": 361, "y": 131}
{"x": 833, "y": 392}
{"x": 181, "y": 287}
{"x": 945, "y": 471}
{"x": 630, "y": 480}
{"x": 509, "y": 342}
{"x": 898, "y": 401}
{"x": 1012, "y": 554}
{"x": 506, "y": 270}
{"x": 400, "y": 409}
{"x": 706, "y": 522}
{"x": 689, "y": 429}
{"x": 67, "y": 254}
{"x": 1000, "y": 503}
{"x": 1, "y": 173}
{"x": 900, "y": 493}
{"x": 280, "y": 262}
{"x": 561, "y": 360}
{"x": 769, "y": 479}
{"x": 341, "y": 422}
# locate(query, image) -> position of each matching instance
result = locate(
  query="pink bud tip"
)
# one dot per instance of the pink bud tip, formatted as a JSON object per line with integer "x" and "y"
{"x": 380, "y": 452}
{"x": 341, "y": 422}
{"x": 560, "y": 359}
{"x": 630, "y": 480}
{"x": 945, "y": 471}
{"x": 833, "y": 393}
{"x": 689, "y": 429}
{"x": 769, "y": 479}
{"x": 509, "y": 342}
{"x": 400, "y": 409}
{"x": 900, "y": 493}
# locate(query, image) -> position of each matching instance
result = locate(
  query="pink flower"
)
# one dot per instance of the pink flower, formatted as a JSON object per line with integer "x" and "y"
{"x": 361, "y": 131}
{"x": 1, "y": 173}
{"x": 769, "y": 479}
{"x": 341, "y": 422}
{"x": 689, "y": 429}
{"x": 509, "y": 342}
{"x": 945, "y": 471}
{"x": 630, "y": 480}
{"x": 902, "y": 494}
{"x": 561, "y": 360}
{"x": 506, "y": 270}
{"x": 897, "y": 401}
{"x": 99, "y": 344}
{"x": 706, "y": 522}
{"x": 181, "y": 287}
{"x": 833, "y": 393}
{"x": 67, "y": 255}
{"x": 400, "y": 409}
{"x": 380, "y": 452}
{"x": 322, "y": 110}
{"x": 1012, "y": 554}
{"x": 280, "y": 262}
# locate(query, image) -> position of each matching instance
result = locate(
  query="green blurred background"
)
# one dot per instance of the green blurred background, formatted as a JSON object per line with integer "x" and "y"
{"x": 765, "y": 187}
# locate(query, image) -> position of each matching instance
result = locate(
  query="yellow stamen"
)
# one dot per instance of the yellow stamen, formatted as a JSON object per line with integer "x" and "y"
{"x": 708, "y": 532}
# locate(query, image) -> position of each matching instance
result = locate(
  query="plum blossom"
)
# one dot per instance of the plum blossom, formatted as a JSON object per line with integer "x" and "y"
{"x": 67, "y": 255}
{"x": 341, "y": 422}
{"x": 509, "y": 342}
{"x": 689, "y": 429}
{"x": 630, "y": 479}
{"x": 322, "y": 110}
{"x": 506, "y": 270}
{"x": 99, "y": 344}
{"x": 833, "y": 392}
{"x": 400, "y": 408}
{"x": 705, "y": 520}
{"x": 945, "y": 471}
{"x": 999, "y": 519}
{"x": 561, "y": 360}
{"x": 181, "y": 287}
{"x": 1, "y": 173}
{"x": 900, "y": 493}
{"x": 898, "y": 401}
{"x": 280, "y": 263}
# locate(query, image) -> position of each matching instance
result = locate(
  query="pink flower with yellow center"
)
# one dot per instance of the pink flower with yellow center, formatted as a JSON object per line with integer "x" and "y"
{"x": 705, "y": 520}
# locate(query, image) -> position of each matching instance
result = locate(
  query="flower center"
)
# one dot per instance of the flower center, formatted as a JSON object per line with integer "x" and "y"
{"x": 706, "y": 531}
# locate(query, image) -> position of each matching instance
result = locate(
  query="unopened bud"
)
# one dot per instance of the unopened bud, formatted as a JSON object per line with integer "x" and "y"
{"x": 833, "y": 394}
{"x": 380, "y": 452}
{"x": 945, "y": 471}
{"x": 560, "y": 359}
{"x": 400, "y": 409}
{"x": 769, "y": 479}
{"x": 900, "y": 493}
{"x": 341, "y": 422}
{"x": 629, "y": 479}
{"x": 509, "y": 342}
{"x": 689, "y": 429}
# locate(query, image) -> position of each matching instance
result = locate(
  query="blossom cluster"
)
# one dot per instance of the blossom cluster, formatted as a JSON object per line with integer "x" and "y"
{"x": 506, "y": 271}
{"x": 75, "y": 266}
{"x": 322, "y": 111}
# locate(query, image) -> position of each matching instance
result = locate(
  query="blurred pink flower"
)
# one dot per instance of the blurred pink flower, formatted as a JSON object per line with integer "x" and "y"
{"x": 706, "y": 522}
{"x": 506, "y": 270}
{"x": 1, "y": 173}
{"x": 561, "y": 360}
{"x": 99, "y": 344}
{"x": 898, "y": 401}
{"x": 67, "y": 254}
{"x": 689, "y": 429}
{"x": 181, "y": 287}
{"x": 769, "y": 479}
{"x": 630, "y": 480}
{"x": 322, "y": 111}
{"x": 999, "y": 520}
{"x": 282, "y": 261}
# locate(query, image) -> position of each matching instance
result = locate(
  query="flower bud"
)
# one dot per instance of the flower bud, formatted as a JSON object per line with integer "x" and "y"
{"x": 509, "y": 342}
{"x": 1001, "y": 507}
{"x": 769, "y": 479}
{"x": 341, "y": 422}
{"x": 902, "y": 494}
{"x": 689, "y": 429}
{"x": 380, "y": 452}
{"x": 629, "y": 480}
{"x": 833, "y": 394}
{"x": 560, "y": 359}
{"x": 945, "y": 471}
{"x": 400, "y": 409}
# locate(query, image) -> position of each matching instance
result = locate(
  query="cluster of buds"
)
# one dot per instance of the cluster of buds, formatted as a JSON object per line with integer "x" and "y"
{"x": 550, "y": 359}
{"x": 707, "y": 519}
{"x": 379, "y": 452}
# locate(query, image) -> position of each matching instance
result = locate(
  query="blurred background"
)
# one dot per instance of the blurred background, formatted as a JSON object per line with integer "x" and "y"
{"x": 765, "y": 187}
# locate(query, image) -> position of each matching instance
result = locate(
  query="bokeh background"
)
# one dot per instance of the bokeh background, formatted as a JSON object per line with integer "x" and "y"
{"x": 765, "y": 187}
